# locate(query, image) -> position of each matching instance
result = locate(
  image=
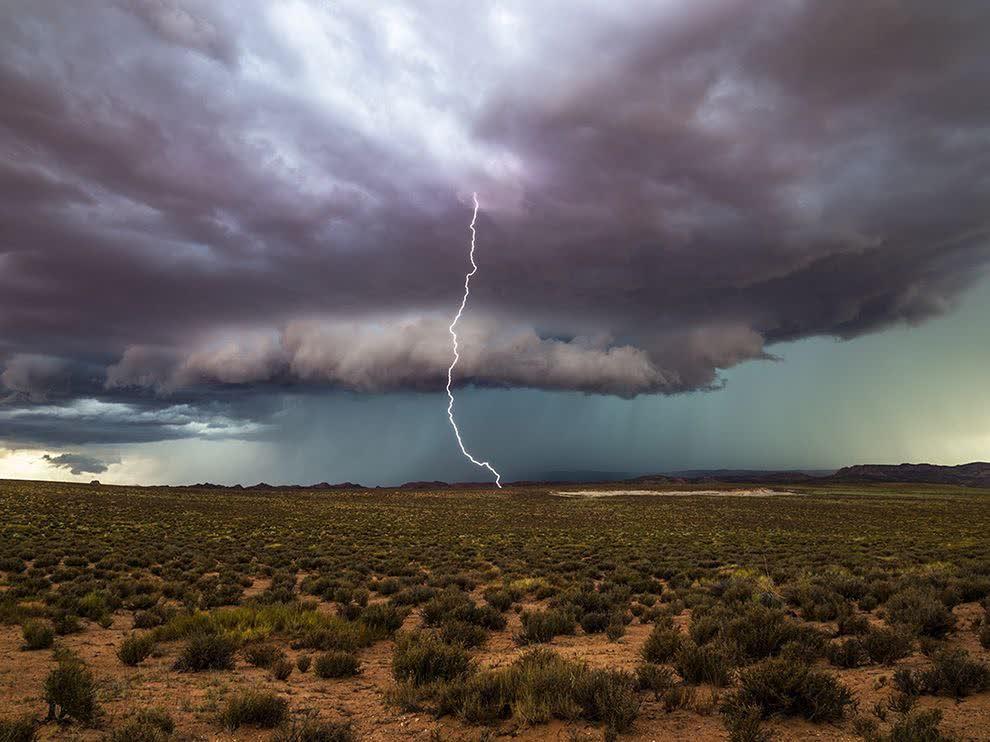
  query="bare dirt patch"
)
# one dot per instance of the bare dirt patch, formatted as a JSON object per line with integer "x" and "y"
{"x": 758, "y": 492}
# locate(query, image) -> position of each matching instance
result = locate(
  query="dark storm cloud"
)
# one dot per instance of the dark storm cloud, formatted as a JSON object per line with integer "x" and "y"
{"x": 197, "y": 196}
{"x": 78, "y": 463}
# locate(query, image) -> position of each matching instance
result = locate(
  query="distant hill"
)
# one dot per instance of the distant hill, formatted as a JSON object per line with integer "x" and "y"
{"x": 975, "y": 474}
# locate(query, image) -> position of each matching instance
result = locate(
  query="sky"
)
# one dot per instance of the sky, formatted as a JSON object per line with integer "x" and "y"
{"x": 720, "y": 234}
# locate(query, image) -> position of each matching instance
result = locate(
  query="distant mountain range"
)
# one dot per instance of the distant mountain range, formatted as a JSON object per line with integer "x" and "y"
{"x": 975, "y": 474}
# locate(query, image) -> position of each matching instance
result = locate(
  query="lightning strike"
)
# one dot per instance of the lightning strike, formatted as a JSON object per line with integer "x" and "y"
{"x": 457, "y": 357}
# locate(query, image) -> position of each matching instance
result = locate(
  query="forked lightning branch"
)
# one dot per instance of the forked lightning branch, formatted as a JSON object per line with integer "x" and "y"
{"x": 457, "y": 356}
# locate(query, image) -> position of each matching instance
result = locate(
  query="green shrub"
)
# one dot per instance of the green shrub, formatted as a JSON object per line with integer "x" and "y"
{"x": 608, "y": 696}
{"x": 918, "y": 726}
{"x": 886, "y": 646}
{"x": 281, "y": 669}
{"x": 616, "y": 629}
{"x": 70, "y": 691}
{"x": 135, "y": 649}
{"x": 205, "y": 651}
{"x": 66, "y": 623}
{"x": 455, "y": 605}
{"x": 850, "y": 623}
{"x": 18, "y": 730}
{"x": 313, "y": 730}
{"x": 707, "y": 663}
{"x": 953, "y": 673}
{"x": 541, "y": 686}
{"x": 920, "y": 611}
{"x": 422, "y": 658}
{"x": 655, "y": 678}
{"x": 762, "y": 632}
{"x": 707, "y": 622}
{"x": 817, "y": 602}
{"x": 984, "y": 632}
{"x": 303, "y": 662}
{"x": 93, "y": 606}
{"x": 500, "y": 600}
{"x": 662, "y": 644}
{"x": 382, "y": 619}
{"x": 542, "y": 626}
{"x": 255, "y": 708}
{"x": 336, "y": 664}
{"x": 14, "y": 565}
{"x": 462, "y": 633}
{"x": 37, "y": 635}
{"x": 263, "y": 655}
{"x": 745, "y": 724}
{"x": 149, "y": 725}
{"x": 848, "y": 653}
{"x": 594, "y": 623}
{"x": 337, "y": 634}
{"x": 780, "y": 686}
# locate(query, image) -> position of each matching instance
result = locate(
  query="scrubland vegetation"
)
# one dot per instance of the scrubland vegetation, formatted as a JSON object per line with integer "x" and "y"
{"x": 168, "y": 614}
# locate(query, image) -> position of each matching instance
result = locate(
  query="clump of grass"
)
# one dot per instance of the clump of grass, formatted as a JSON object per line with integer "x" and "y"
{"x": 745, "y": 724}
{"x": 920, "y": 611}
{"x": 70, "y": 691}
{"x": 594, "y": 622}
{"x": 541, "y": 686}
{"x": 983, "y": 632}
{"x": 662, "y": 644}
{"x": 422, "y": 658}
{"x": 206, "y": 652}
{"x": 314, "y": 730}
{"x": 917, "y": 726}
{"x": 255, "y": 708}
{"x": 952, "y": 673}
{"x": 148, "y": 725}
{"x": 135, "y": 649}
{"x": 499, "y": 599}
{"x": 263, "y": 655}
{"x": 336, "y": 664}
{"x": 707, "y": 663}
{"x": 66, "y": 623}
{"x": 539, "y": 627}
{"x": 453, "y": 604}
{"x": 382, "y": 619}
{"x": 18, "y": 730}
{"x": 303, "y": 662}
{"x": 885, "y": 645}
{"x": 655, "y": 678}
{"x": 616, "y": 628}
{"x": 281, "y": 669}
{"x": 848, "y": 653}
{"x": 37, "y": 634}
{"x": 607, "y": 696}
{"x": 462, "y": 633}
{"x": 789, "y": 688}
{"x": 850, "y": 623}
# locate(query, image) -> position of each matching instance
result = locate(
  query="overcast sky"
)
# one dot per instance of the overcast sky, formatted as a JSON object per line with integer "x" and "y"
{"x": 232, "y": 236}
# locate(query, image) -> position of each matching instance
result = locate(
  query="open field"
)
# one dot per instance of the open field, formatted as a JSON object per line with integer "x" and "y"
{"x": 835, "y": 613}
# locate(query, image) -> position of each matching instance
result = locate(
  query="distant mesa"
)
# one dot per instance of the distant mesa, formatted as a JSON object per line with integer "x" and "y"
{"x": 975, "y": 474}
{"x": 95, "y": 482}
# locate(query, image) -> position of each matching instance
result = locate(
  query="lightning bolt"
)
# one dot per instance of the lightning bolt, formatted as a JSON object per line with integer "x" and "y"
{"x": 457, "y": 356}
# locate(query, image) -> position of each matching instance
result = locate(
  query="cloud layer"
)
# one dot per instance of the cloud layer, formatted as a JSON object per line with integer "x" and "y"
{"x": 201, "y": 202}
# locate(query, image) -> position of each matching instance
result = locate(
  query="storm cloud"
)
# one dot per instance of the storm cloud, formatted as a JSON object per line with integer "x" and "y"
{"x": 77, "y": 463}
{"x": 253, "y": 197}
